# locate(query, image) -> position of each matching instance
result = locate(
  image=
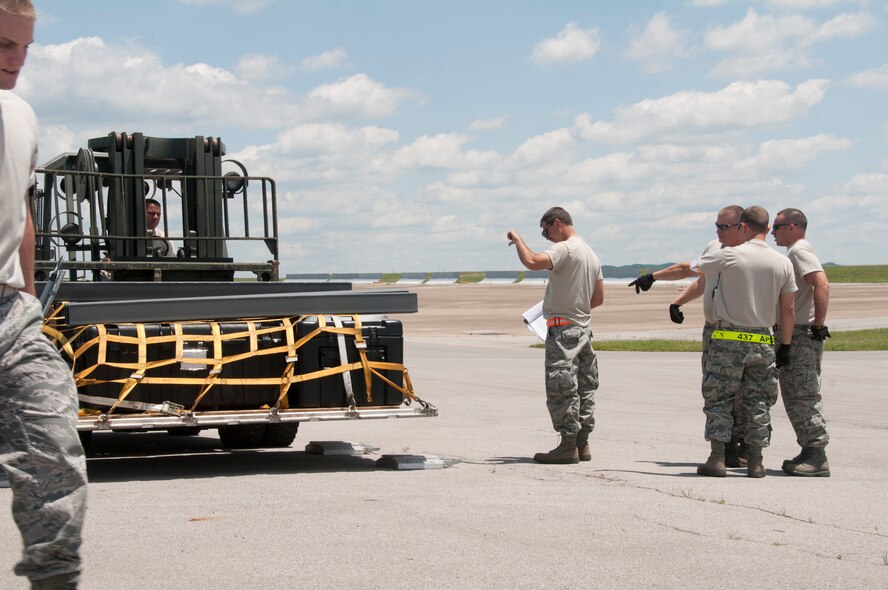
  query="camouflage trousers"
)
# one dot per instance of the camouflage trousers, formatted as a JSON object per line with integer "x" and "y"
{"x": 738, "y": 432}
{"x": 733, "y": 368}
{"x": 800, "y": 390}
{"x": 39, "y": 447}
{"x": 571, "y": 379}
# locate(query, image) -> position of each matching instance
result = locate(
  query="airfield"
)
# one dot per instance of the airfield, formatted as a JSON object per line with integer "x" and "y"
{"x": 167, "y": 512}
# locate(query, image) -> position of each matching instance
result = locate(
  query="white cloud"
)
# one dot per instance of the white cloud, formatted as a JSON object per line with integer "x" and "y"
{"x": 571, "y": 45}
{"x": 237, "y": 6}
{"x": 487, "y": 124}
{"x": 332, "y": 138}
{"x": 356, "y": 96}
{"x": 442, "y": 151}
{"x": 98, "y": 79}
{"x": 545, "y": 148}
{"x": 331, "y": 59}
{"x": 809, "y": 4}
{"x": 657, "y": 45}
{"x": 762, "y": 43}
{"x": 128, "y": 82}
{"x": 688, "y": 113}
{"x": 872, "y": 78}
{"x": 261, "y": 66}
{"x": 790, "y": 154}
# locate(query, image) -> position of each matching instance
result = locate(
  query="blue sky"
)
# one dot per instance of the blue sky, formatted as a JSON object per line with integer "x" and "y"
{"x": 411, "y": 136}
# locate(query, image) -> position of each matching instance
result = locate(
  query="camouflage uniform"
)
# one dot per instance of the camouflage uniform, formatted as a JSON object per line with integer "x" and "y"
{"x": 739, "y": 410}
{"x": 39, "y": 447}
{"x": 800, "y": 389}
{"x": 571, "y": 379}
{"x": 733, "y": 367}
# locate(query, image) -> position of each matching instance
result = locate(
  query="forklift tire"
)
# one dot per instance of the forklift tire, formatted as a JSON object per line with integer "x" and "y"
{"x": 280, "y": 435}
{"x": 242, "y": 436}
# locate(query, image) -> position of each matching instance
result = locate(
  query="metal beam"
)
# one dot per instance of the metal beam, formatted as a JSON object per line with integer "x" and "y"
{"x": 234, "y": 307}
{"x": 136, "y": 422}
{"x": 119, "y": 290}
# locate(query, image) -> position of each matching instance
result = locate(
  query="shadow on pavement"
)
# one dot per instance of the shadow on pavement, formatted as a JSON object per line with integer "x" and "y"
{"x": 119, "y": 457}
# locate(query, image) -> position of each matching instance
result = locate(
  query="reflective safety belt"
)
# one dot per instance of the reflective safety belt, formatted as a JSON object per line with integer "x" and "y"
{"x": 743, "y": 337}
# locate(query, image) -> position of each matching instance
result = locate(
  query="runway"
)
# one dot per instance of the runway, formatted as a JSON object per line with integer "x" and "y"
{"x": 182, "y": 512}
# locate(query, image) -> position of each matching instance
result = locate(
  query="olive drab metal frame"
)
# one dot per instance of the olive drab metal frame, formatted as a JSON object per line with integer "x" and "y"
{"x": 89, "y": 212}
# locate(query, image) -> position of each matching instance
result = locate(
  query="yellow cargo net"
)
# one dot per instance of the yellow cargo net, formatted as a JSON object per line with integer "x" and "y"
{"x": 67, "y": 340}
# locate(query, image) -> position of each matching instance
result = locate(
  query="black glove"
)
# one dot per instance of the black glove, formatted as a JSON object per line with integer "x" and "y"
{"x": 675, "y": 313}
{"x": 782, "y": 355}
{"x": 820, "y": 333}
{"x": 643, "y": 283}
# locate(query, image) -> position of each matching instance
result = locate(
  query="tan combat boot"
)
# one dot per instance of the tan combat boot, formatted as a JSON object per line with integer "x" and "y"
{"x": 732, "y": 454}
{"x": 789, "y": 464}
{"x": 715, "y": 465}
{"x": 754, "y": 463}
{"x": 563, "y": 454}
{"x": 814, "y": 463}
{"x": 583, "y": 450}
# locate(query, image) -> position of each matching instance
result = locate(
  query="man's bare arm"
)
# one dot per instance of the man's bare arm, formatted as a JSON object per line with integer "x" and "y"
{"x": 26, "y": 251}
{"x": 598, "y": 294}
{"x": 693, "y": 292}
{"x": 820, "y": 283}
{"x": 787, "y": 316}
{"x": 530, "y": 259}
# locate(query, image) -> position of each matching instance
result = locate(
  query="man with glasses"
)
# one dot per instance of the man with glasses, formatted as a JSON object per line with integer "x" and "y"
{"x": 750, "y": 283}
{"x": 575, "y": 288}
{"x": 727, "y": 229}
{"x": 800, "y": 382}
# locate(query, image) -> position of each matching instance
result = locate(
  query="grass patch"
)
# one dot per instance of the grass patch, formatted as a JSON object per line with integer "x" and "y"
{"x": 390, "y": 277}
{"x": 877, "y": 273}
{"x": 470, "y": 277}
{"x": 649, "y": 345}
{"x": 850, "y": 341}
{"x": 875, "y": 339}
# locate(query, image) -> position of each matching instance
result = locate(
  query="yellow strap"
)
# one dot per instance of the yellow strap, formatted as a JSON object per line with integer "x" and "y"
{"x": 140, "y": 370}
{"x": 217, "y": 365}
{"x": 743, "y": 337}
{"x": 362, "y": 350}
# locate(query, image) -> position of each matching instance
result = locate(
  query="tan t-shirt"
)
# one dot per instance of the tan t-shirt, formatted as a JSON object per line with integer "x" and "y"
{"x": 575, "y": 272}
{"x": 18, "y": 134}
{"x": 804, "y": 261}
{"x": 747, "y": 283}
{"x": 709, "y": 285}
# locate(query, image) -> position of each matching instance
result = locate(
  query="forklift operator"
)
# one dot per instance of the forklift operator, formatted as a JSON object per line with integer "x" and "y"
{"x": 161, "y": 245}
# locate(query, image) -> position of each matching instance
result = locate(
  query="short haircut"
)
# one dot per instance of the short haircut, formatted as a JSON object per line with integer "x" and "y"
{"x": 795, "y": 217}
{"x": 756, "y": 218}
{"x": 554, "y": 213}
{"x": 22, "y": 8}
{"x": 149, "y": 201}
{"x": 732, "y": 210}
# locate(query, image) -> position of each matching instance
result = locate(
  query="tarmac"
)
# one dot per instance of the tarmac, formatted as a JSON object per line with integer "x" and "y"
{"x": 171, "y": 511}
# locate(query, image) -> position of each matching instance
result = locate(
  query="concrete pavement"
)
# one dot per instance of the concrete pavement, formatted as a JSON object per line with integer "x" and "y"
{"x": 181, "y": 512}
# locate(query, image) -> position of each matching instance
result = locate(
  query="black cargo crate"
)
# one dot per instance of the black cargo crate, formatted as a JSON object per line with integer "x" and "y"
{"x": 384, "y": 338}
{"x": 220, "y": 397}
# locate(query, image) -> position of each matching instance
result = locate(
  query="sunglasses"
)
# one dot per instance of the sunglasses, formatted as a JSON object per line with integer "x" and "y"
{"x": 546, "y": 230}
{"x": 726, "y": 227}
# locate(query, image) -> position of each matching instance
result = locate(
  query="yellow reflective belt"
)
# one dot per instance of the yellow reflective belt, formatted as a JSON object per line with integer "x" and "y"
{"x": 742, "y": 337}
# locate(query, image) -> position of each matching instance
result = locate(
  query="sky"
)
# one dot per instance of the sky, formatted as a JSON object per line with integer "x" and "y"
{"x": 411, "y": 136}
